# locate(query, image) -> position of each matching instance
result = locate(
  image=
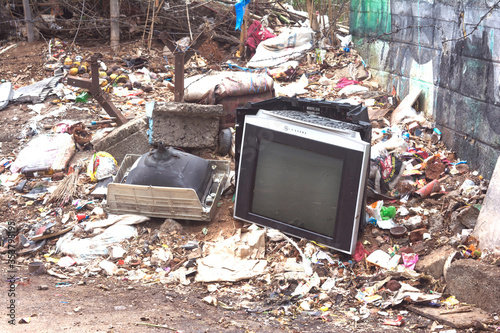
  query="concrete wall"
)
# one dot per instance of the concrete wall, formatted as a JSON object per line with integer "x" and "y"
{"x": 409, "y": 44}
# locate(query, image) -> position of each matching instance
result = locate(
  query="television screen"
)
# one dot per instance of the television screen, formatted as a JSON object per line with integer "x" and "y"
{"x": 281, "y": 184}
{"x": 304, "y": 180}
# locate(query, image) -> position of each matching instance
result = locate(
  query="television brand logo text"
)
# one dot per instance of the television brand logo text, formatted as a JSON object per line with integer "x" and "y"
{"x": 294, "y": 130}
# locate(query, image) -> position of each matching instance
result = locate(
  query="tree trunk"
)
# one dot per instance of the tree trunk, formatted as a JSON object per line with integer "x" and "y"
{"x": 29, "y": 22}
{"x": 313, "y": 19}
{"x": 115, "y": 24}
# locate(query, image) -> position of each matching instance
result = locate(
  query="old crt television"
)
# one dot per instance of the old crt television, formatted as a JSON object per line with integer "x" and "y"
{"x": 302, "y": 173}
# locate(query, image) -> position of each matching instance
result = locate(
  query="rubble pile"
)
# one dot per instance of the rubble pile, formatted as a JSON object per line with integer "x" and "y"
{"x": 423, "y": 202}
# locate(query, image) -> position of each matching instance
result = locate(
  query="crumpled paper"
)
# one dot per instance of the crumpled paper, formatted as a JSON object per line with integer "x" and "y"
{"x": 234, "y": 259}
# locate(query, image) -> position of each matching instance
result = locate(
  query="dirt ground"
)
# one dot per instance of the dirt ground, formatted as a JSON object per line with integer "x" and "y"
{"x": 128, "y": 307}
{"x": 113, "y": 304}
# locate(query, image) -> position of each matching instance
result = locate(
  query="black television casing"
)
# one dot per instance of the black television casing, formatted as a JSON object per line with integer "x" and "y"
{"x": 344, "y": 112}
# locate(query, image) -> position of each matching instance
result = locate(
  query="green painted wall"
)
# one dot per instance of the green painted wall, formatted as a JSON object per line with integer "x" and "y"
{"x": 370, "y": 17}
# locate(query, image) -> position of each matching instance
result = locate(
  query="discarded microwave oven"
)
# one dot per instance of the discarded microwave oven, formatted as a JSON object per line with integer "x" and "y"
{"x": 302, "y": 167}
{"x": 168, "y": 183}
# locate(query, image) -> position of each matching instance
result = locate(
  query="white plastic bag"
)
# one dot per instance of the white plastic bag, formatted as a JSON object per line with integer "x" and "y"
{"x": 290, "y": 44}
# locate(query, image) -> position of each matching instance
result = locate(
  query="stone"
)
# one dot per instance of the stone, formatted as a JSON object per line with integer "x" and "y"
{"x": 433, "y": 263}
{"x": 169, "y": 226}
{"x": 487, "y": 228}
{"x": 130, "y": 138}
{"x": 393, "y": 285}
{"x": 474, "y": 282}
{"x": 417, "y": 234}
{"x": 186, "y": 125}
{"x": 436, "y": 223}
{"x": 413, "y": 222}
{"x": 464, "y": 219}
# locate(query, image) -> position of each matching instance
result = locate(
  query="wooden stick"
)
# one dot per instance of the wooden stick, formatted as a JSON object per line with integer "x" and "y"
{"x": 155, "y": 13}
{"x": 63, "y": 231}
{"x": 7, "y": 48}
{"x": 457, "y": 310}
{"x": 243, "y": 34}
{"x": 159, "y": 7}
{"x": 160, "y": 326}
{"x": 150, "y": 39}
{"x": 189, "y": 23}
{"x": 146, "y": 23}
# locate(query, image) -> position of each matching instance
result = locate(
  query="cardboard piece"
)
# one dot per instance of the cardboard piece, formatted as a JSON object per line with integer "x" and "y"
{"x": 406, "y": 103}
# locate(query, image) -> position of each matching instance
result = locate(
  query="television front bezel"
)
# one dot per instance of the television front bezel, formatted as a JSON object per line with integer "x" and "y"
{"x": 339, "y": 144}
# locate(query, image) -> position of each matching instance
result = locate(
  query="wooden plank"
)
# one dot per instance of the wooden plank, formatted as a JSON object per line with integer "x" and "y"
{"x": 407, "y": 102}
{"x": 375, "y": 113}
{"x": 455, "y": 320}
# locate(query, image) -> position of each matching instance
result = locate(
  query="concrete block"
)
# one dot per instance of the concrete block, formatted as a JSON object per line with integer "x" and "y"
{"x": 130, "y": 138}
{"x": 475, "y": 77}
{"x": 474, "y": 282}
{"x": 186, "y": 125}
{"x": 402, "y": 35}
{"x": 424, "y": 31}
{"x": 436, "y": 223}
{"x": 433, "y": 263}
{"x": 463, "y": 219}
{"x": 487, "y": 228}
{"x": 488, "y": 157}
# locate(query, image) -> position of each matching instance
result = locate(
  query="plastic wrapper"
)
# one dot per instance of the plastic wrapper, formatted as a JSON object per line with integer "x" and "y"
{"x": 469, "y": 189}
{"x": 45, "y": 153}
{"x": 382, "y": 220}
{"x": 410, "y": 260}
{"x": 385, "y": 173}
{"x": 102, "y": 166}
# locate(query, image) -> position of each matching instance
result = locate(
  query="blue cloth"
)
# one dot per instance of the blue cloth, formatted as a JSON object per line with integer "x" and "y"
{"x": 240, "y": 12}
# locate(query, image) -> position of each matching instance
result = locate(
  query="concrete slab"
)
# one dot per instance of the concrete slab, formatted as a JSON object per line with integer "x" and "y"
{"x": 474, "y": 282}
{"x": 130, "y": 138}
{"x": 487, "y": 228}
{"x": 186, "y": 125}
{"x": 433, "y": 263}
{"x": 463, "y": 219}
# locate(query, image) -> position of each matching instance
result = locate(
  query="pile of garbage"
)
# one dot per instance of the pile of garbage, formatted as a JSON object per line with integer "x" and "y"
{"x": 421, "y": 196}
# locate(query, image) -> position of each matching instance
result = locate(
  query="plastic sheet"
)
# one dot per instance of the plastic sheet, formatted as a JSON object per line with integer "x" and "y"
{"x": 84, "y": 250}
{"x": 6, "y": 93}
{"x": 239, "y": 8}
{"x": 37, "y": 92}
